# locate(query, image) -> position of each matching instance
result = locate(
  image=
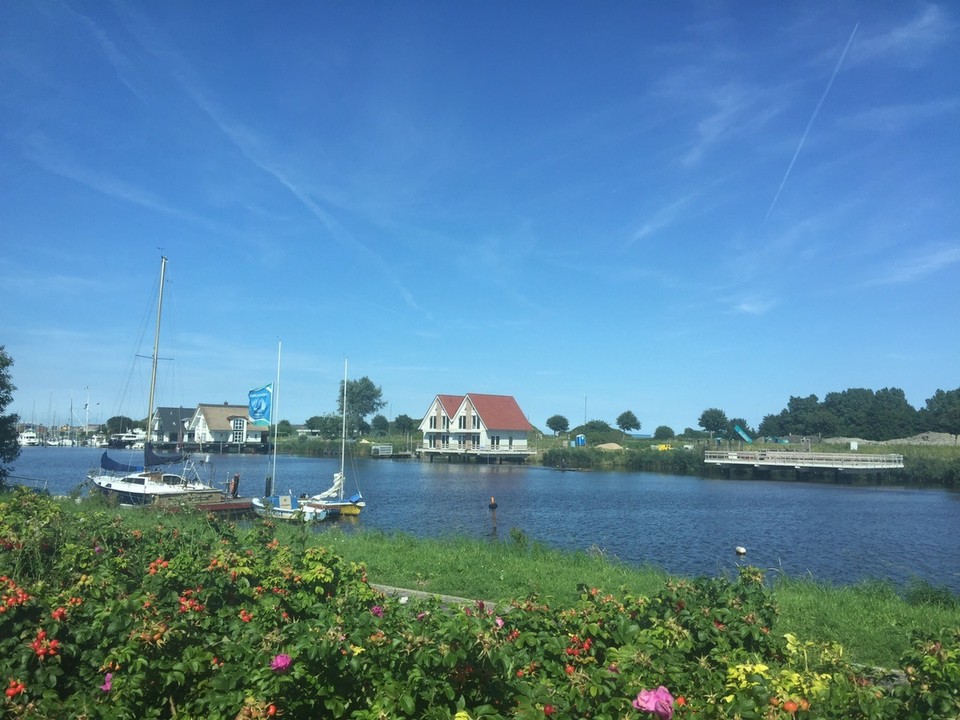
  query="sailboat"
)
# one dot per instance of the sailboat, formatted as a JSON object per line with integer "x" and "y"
{"x": 332, "y": 498}
{"x": 148, "y": 483}
{"x": 279, "y": 507}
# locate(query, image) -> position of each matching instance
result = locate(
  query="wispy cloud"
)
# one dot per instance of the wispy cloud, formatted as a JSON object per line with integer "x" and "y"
{"x": 254, "y": 148}
{"x": 895, "y": 118}
{"x": 910, "y": 43}
{"x": 56, "y": 162}
{"x": 924, "y": 262}
{"x": 662, "y": 218}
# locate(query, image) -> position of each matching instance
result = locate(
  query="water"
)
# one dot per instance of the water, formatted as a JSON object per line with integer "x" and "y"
{"x": 688, "y": 526}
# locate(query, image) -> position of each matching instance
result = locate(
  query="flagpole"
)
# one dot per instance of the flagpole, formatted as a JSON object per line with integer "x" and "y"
{"x": 273, "y": 407}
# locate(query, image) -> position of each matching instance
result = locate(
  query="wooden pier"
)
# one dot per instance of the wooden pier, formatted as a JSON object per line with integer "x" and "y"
{"x": 478, "y": 453}
{"x": 803, "y": 461}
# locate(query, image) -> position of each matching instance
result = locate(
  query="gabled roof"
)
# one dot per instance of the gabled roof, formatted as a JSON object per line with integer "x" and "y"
{"x": 499, "y": 412}
{"x": 173, "y": 417}
{"x": 219, "y": 417}
{"x": 450, "y": 403}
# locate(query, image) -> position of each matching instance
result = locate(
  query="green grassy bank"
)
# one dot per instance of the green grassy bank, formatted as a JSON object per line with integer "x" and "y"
{"x": 871, "y": 620}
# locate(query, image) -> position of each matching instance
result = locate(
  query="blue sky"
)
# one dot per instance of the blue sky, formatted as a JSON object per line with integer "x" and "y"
{"x": 593, "y": 207}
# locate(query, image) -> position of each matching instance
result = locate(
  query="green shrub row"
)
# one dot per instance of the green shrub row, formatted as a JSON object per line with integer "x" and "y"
{"x": 143, "y": 615}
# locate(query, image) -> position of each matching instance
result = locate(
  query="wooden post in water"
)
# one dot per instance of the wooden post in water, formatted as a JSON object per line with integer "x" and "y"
{"x": 493, "y": 512}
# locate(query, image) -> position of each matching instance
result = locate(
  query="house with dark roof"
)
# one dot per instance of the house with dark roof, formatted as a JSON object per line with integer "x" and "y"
{"x": 169, "y": 425}
{"x": 486, "y": 426}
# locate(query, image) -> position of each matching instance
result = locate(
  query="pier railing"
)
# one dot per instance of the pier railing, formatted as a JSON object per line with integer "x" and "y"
{"x": 800, "y": 460}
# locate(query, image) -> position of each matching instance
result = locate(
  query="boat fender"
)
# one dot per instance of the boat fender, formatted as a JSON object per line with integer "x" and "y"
{"x": 740, "y": 550}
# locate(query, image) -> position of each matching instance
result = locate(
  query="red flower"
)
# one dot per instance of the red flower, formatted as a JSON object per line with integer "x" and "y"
{"x": 59, "y": 614}
{"x": 548, "y": 710}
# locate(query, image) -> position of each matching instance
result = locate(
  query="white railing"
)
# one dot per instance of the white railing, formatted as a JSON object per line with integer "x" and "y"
{"x": 803, "y": 459}
{"x": 476, "y": 449}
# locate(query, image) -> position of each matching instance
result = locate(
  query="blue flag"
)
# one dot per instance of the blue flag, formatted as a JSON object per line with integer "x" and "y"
{"x": 261, "y": 401}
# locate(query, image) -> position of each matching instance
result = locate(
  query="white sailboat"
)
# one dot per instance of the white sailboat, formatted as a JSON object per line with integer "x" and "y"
{"x": 283, "y": 507}
{"x": 148, "y": 483}
{"x": 332, "y": 498}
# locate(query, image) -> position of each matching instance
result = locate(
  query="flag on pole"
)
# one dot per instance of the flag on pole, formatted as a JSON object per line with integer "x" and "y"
{"x": 261, "y": 401}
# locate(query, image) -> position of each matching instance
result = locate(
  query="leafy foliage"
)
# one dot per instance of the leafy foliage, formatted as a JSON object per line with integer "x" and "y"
{"x": 627, "y": 421}
{"x": 178, "y": 615}
{"x": 558, "y": 423}
{"x": 663, "y": 432}
{"x": 9, "y": 445}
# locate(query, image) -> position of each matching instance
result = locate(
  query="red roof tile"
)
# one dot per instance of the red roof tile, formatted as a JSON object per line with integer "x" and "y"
{"x": 499, "y": 412}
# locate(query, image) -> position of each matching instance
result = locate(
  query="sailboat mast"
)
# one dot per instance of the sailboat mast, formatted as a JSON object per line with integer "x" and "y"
{"x": 156, "y": 349}
{"x": 343, "y": 432}
{"x": 273, "y": 409}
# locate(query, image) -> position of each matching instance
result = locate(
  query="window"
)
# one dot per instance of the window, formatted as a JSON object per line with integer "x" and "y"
{"x": 433, "y": 422}
{"x": 462, "y": 422}
{"x": 475, "y": 439}
{"x": 476, "y": 422}
{"x": 238, "y": 430}
{"x": 446, "y": 423}
{"x": 495, "y": 441}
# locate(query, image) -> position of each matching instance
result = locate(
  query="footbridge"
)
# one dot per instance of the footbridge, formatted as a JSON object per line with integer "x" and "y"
{"x": 844, "y": 462}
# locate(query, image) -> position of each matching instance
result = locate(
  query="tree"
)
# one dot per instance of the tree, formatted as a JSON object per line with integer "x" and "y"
{"x": 9, "y": 444}
{"x": 405, "y": 424}
{"x": 326, "y": 426}
{"x": 942, "y": 412}
{"x": 663, "y": 432}
{"x": 120, "y": 424}
{"x": 363, "y": 398}
{"x": 627, "y": 421}
{"x": 714, "y": 420}
{"x": 284, "y": 428}
{"x": 558, "y": 423}
{"x": 379, "y": 425}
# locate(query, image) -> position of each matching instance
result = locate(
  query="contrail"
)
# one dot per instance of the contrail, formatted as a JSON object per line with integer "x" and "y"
{"x": 810, "y": 123}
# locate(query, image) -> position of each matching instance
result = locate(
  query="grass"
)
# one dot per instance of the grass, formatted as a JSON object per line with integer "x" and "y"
{"x": 871, "y": 620}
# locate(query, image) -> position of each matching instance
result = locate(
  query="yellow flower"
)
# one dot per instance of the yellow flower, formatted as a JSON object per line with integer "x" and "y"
{"x": 356, "y": 649}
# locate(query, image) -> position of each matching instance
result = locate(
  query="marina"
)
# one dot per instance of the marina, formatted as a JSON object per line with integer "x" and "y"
{"x": 690, "y": 526}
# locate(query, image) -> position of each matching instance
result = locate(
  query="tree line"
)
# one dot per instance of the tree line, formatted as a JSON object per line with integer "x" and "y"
{"x": 857, "y": 412}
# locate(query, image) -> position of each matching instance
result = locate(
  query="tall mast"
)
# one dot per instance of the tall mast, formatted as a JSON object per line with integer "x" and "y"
{"x": 275, "y": 413}
{"x": 156, "y": 350}
{"x": 343, "y": 432}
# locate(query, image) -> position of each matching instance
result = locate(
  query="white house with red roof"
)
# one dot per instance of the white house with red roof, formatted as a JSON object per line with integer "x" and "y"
{"x": 475, "y": 424}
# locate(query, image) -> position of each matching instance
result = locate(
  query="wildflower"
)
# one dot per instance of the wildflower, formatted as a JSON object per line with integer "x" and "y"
{"x": 659, "y": 702}
{"x": 549, "y": 710}
{"x": 498, "y": 622}
{"x": 377, "y": 610}
{"x": 107, "y": 683}
{"x": 97, "y": 549}
{"x": 281, "y": 663}
{"x": 421, "y": 615}
{"x": 15, "y": 688}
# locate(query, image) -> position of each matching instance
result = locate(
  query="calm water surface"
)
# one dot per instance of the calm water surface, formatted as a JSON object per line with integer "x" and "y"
{"x": 688, "y": 526}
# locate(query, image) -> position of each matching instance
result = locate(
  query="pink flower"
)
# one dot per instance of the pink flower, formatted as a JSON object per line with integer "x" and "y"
{"x": 281, "y": 663}
{"x": 498, "y": 622}
{"x": 377, "y": 610}
{"x": 659, "y": 702}
{"x": 107, "y": 682}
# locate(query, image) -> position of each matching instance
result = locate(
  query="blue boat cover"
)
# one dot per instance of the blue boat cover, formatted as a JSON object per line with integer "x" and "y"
{"x": 150, "y": 458}
{"x": 108, "y": 463}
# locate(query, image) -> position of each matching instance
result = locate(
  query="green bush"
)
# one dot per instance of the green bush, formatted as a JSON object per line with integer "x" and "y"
{"x": 162, "y": 615}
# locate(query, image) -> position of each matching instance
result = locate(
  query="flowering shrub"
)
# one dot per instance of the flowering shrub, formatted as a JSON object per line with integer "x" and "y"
{"x": 158, "y": 616}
